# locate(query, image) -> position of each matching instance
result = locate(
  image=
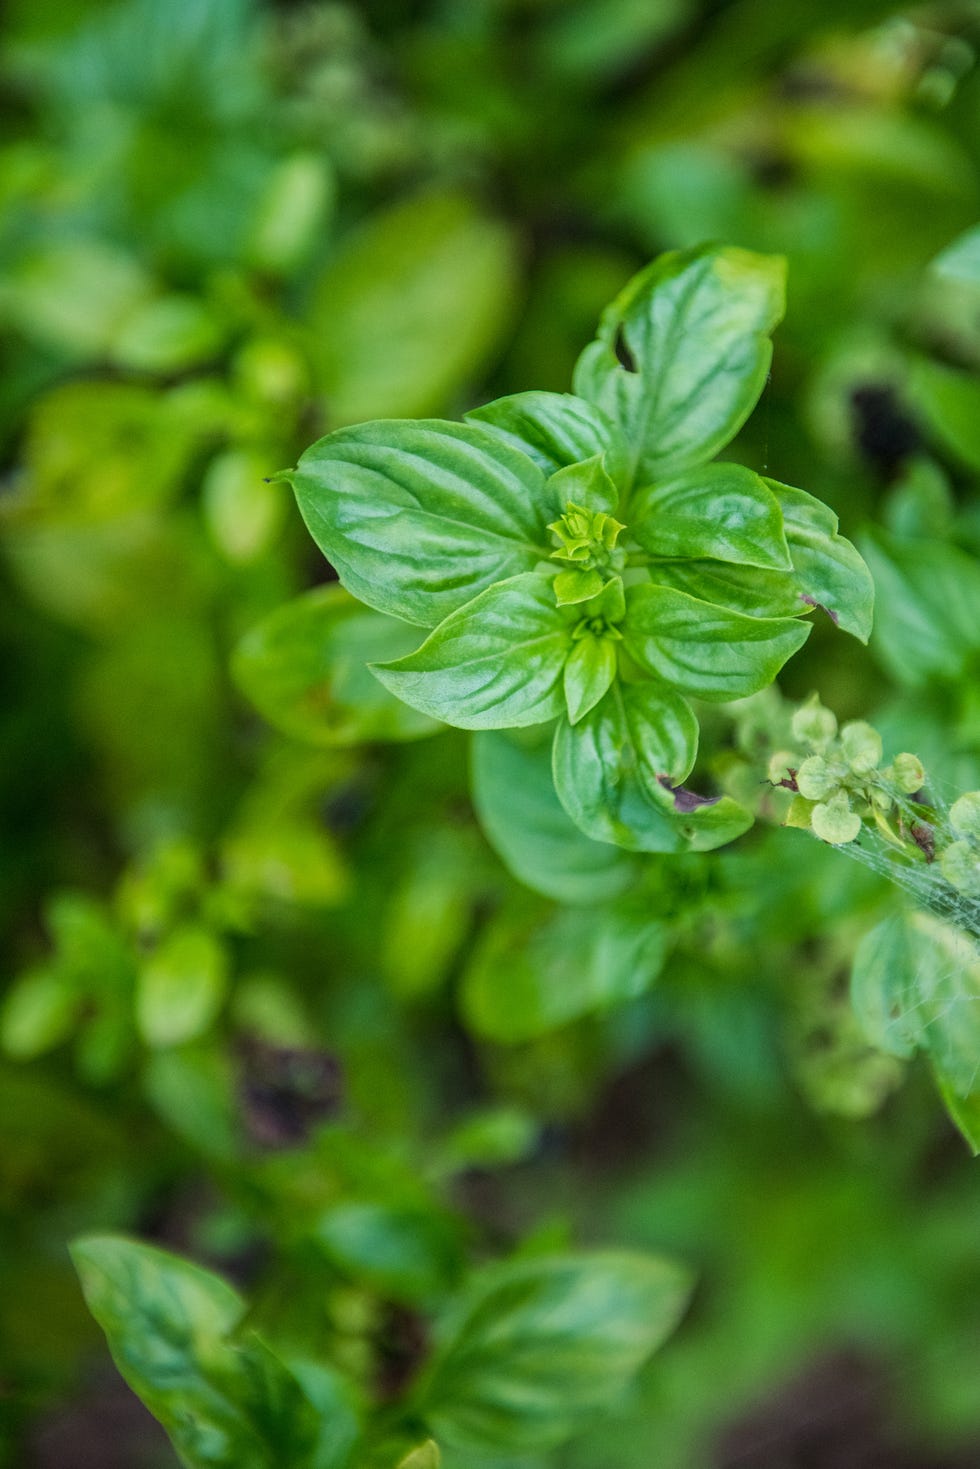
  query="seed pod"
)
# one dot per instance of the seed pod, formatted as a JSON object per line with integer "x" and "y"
{"x": 861, "y": 744}
{"x": 909, "y": 773}
{"x": 813, "y": 724}
{"x": 961, "y": 867}
{"x": 834, "y": 821}
{"x": 815, "y": 779}
{"x": 964, "y": 815}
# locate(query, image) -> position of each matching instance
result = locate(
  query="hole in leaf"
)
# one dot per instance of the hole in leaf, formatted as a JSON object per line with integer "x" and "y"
{"x": 621, "y": 347}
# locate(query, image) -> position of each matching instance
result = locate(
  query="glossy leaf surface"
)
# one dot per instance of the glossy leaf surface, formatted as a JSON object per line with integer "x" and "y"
{"x": 420, "y": 517}
{"x": 682, "y": 355}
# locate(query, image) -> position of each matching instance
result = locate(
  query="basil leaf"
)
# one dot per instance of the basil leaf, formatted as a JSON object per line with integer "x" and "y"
{"x": 409, "y": 307}
{"x": 610, "y": 769}
{"x": 827, "y": 569}
{"x": 915, "y": 985}
{"x": 617, "y": 775}
{"x": 495, "y": 664}
{"x": 555, "y": 429}
{"x": 224, "y": 1400}
{"x": 682, "y": 355}
{"x": 530, "y": 973}
{"x": 571, "y": 587}
{"x": 529, "y": 829}
{"x": 535, "y": 1348}
{"x": 750, "y": 590}
{"x": 927, "y": 622}
{"x": 419, "y": 517}
{"x": 407, "y": 1252}
{"x": 426, "y": 1456}
{"x": 589, "y": 670}
{"x": 587, "y": 483}
{"x": 305, "y": 668}
{"x": 707, "y": 650}
{"x": 181, "y": 987}
{"x": 720, "y": 512}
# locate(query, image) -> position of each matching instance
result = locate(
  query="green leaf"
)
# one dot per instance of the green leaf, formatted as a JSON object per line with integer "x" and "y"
{"x": 749, "y": 590}
{"x": 536, "y": 1348}
{"x": 495, "y": 664}
{"x": 531, "y": 832}
{"x": 305, "y": 668}
{"x": 949, "y": 399}
{"x": 555, "y": 430}
{"x": 587, "y": 484}
{"x": 960, "y": 261}
{"x": 915, "y": 984}
{"x": 965, "y": 1113}
{"x": 418, "y": 518}
{"x": 412, "y": 304}
{"x": 616, "y": 771}
{"x": 39, "y": 1011}
{"x": 589, "y": 670}
{"x": 572, "y": 587}
{"x": 426, "y": 1456}
{"x": 827, "y": 569}
{"x": 225, "y": 1401}
{"x": 531, "y": 973}
{"x": 707, "y": 650}
{"x": 181, "y": 987}
{"x": 682, "y": 355}
{"x": 927, "y": 618}
{"x": 406, "y": 1253}
{"x": 722, "y": 512}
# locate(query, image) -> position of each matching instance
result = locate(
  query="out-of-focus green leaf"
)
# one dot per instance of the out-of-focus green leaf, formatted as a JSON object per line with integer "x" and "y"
{"x": 305, "y": 668}
{"x": 529, "y": 829}
{"x": 536, "y": 1348}
{"x": 927, "y": 607}
{"x": 531, "y": 973}
{"x": 225, "y": 1399}
{"x": 949, "y": 399}
{"x": 39, "y": 1011}
{"x": 407, "y": 1253}
{"x": 181, "y": 988}
{"x": 426, "y": 1456}
{"x": 410, "y": 306}
{"x": 916, "y": 985}
{"x": 960, "y": 261}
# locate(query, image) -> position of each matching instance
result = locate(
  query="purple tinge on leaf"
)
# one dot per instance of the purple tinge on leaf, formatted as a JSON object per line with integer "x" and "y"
{"x": 812, "y": 602}
{"x": 685, "y": 800}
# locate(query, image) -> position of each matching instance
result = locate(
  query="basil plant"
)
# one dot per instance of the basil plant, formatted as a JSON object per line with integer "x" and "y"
{"x": 583, "y": 560}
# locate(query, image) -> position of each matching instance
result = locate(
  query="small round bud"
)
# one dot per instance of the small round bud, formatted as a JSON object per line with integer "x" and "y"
{"x": 781, "y": 766}
{"x": 881, "y": 800}
{"x": 834, "y": 821}
{"x": 861, "y": 744}
{"x": 961, "y": 868}
{"x": 815, "y": 779}
{"x": 964, "y": 815}
{"x": 910, "y": 775}
{"x": 813, "y": 724}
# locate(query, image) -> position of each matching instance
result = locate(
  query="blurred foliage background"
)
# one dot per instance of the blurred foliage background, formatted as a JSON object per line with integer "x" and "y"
{"x": 261, "y": 972}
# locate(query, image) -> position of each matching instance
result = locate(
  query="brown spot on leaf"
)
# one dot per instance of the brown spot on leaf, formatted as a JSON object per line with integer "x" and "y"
{"x": 685, "y": 800}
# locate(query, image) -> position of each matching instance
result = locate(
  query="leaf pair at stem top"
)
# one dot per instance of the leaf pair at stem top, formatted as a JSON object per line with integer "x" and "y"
{"x": 578, "y": 559}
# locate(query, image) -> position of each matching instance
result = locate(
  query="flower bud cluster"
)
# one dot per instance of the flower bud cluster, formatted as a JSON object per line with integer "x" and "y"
{"x": 841, "y": 782}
